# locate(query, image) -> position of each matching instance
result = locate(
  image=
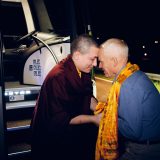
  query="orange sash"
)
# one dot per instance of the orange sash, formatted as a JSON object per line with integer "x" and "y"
{"x": 107, "y": 141}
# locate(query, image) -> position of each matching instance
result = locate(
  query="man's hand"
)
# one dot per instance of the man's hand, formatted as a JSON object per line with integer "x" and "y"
{"x": 82, "y": 119}
{"x": 97, "y": 119}
{"x": 93, "y": 103}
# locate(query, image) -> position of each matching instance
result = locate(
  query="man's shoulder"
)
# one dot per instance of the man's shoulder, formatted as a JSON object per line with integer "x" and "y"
{"x": 57, "y": 73}
{"x": 137, "y": 78}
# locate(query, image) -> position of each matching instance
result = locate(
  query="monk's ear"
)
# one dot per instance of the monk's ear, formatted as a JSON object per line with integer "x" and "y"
{"x": 77, "y": 55}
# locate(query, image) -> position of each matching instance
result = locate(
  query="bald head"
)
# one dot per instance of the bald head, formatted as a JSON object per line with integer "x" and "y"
{"x": 115, "y": 48}
{"x": 113, "y": 55}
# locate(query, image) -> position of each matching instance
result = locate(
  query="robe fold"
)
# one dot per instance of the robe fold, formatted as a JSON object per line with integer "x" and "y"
{"x": 63, "y": 96}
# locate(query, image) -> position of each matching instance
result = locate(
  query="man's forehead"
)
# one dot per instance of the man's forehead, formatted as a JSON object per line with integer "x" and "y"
{"x": 91, "y": 55}
{"x": 100, "y": 57}
{"x": 101, "y": 52}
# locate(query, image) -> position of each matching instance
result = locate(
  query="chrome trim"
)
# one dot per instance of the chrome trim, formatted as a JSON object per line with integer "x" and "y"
{"x": 18, "y": 128}
{"x": 18, "y": 153}
{"x": 18, "y": 105}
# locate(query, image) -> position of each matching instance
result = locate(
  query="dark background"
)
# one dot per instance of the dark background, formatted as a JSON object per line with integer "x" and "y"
{"x": 135, "y": 21}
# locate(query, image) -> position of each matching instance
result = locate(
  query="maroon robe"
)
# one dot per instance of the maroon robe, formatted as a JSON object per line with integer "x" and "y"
{"x": 63, "y": 96}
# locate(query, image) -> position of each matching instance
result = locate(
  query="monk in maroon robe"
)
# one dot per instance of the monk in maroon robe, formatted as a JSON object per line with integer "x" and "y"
{"x": 65, "y": 94}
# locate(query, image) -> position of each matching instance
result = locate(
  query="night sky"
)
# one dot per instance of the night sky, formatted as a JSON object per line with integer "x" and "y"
{"x": 136, "y": 22}
{"x": 132, "y": 19}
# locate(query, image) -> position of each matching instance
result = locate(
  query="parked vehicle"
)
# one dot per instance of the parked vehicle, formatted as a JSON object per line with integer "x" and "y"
{"x": 28, "y": 55}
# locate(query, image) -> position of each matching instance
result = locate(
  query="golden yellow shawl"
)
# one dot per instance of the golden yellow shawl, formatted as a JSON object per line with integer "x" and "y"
{"x": 107, "y": 141}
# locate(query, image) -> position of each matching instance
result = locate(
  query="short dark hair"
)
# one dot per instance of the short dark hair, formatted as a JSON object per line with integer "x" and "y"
{"x": 82, "y": 43}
